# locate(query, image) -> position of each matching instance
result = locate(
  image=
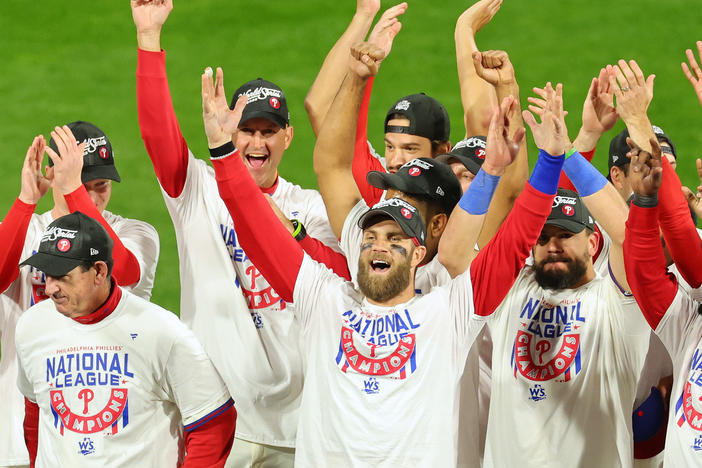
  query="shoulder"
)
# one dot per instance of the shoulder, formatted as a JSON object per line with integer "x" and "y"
{"x": 34, "y": 320}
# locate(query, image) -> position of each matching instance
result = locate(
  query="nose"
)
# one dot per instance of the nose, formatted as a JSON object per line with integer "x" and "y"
{"x": 554, "y": 244}
{"x": 51, "y": 286}
{"x": 258, "y": 140}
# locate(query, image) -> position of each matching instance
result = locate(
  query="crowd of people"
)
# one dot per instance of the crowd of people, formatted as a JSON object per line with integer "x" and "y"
{"x": 439, "y": 305}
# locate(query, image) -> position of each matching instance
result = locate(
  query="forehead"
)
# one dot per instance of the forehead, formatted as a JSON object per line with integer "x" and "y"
{"x": 260, "y": 123}
{"x": 96, "y": 182}
{"x": 384, "y": 226}
{"x": 405, "y": 139}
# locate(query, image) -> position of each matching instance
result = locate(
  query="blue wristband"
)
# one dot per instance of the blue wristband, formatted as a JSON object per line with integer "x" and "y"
{"x": 476, "y": 200}
{"x": 546, "y": 173}
{"x": 586, "y": 179}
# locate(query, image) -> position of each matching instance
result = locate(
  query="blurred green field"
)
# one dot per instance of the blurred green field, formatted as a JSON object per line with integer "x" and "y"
{"x": 76, "y": 61}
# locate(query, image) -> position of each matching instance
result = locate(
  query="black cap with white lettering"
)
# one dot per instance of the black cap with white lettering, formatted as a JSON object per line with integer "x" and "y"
{"x": 266, "y": 100}
{"x": 71, "y": 241}
{"x": 98, "y": 158}
{"x": 427, "y": 117}
{"x": 470, "y": 152}
{"x": 402, "y": 212}
{"x": 569, "y": 212}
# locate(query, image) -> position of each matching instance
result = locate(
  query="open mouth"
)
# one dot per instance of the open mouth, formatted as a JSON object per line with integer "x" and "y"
{"x": 256, "y": 161}
{"x": 379, "y": 266}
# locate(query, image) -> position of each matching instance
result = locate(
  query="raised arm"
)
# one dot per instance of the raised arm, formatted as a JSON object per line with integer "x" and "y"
{"x": 157, "y": 120}
{"x": 13, "y": 229}
{"x": 693, "y": 72}
{"x": 653, "y": 288}
{"x": 456, "y": 247}
{"x": 694, "y": 199}
{"x": 633, "y": 93}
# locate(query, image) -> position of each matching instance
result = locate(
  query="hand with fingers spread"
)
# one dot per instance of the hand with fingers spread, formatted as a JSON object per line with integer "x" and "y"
{"x": 365, "y": 59}
{"x": 551, "y": 135}
{"x": 501, "y": 150}
{"x": 387, "y": 27}
{"x": 632, "y": 91}
{"x": 149, "y": 17}
{"x": 494, "y": 67}
{"x": 68, "y": 162}
{"x": 34, "y": 183}
{"x": 694, "y": 199}
{"x": 645, "y": 168}
{"x": 599, "y": 114}
{"x": 693, "y": 72}
{"x": 220, "y": 122}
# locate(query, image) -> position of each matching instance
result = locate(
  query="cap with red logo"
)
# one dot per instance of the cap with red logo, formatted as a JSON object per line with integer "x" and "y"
{"x": 470, "y": 152}
{"x": 71, "y": 241}
{"x": 98, "y": 158}
{"x": 402, "y": 212}
{"x": 265, "y": 100}
{"x": 570, "y": 213}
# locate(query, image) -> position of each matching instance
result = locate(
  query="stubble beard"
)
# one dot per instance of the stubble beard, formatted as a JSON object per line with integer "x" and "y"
{"x": 555, "y": 279}
{"x": 380, "y": 289}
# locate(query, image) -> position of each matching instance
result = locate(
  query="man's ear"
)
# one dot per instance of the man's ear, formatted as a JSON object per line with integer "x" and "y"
{"x": 101, "y": 270}
{"x": 616, "y": 175}
{"x": 437, "y": 224}
{"x": 418, "y": 255}
{"x": 593, "y": 242}
{"x": 441, "y": 148}
{"x": 289, "y": 132}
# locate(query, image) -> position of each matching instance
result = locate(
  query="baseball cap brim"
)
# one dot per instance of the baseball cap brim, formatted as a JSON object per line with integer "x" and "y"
{"x": 275, "y": 118}
{"x": 385, "y": 181}
{"x": 108, "y": 171}
{"x": 567, "y": 224}
{"x": 469, "y": 164}
{"x": 52, "y": 265}
{"x": 374, "y": 216}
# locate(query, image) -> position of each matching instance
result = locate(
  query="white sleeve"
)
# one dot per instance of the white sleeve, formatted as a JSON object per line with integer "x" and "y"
{"x": 351, "y": 237}
{"x": 195, "y": 191}
{"x": 467, "y": 325}
{"x": 681, "y": 326}
{"x": 23, "y": 384}
{"x": 142, "y": 240}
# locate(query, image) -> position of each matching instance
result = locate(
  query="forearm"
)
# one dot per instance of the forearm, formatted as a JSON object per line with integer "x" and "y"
{"x": 640, "y": 131}
{"x": 13, "y": 231}
{"x": 363, "y": 160}
{"x": 265, "y": 240}
{"x": 209, "y": 444}
{"x": 679, "y": 231}
{"x": 326, "y": 255}
{"x": 653, "y": 288}
{"x": 158, "y": 123}
{"x": 126, "y": 267}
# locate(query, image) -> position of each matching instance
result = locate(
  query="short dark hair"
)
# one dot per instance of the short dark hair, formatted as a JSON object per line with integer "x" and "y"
{"x": 85, "y": 266}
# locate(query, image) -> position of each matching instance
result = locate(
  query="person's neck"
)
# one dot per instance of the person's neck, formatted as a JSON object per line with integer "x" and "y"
{"x": 104, "y": 304}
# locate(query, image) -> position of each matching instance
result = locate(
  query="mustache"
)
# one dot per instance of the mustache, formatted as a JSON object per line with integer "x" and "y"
{"x": 554, "y": 259}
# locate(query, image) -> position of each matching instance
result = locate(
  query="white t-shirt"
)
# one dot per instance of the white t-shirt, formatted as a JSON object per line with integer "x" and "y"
{"x": 28, "y": 289}
{"x": 249, "y": 333}
{"x": 564, "y": 376}
{"x": 381, "y": 383}
{"x": 114, "y": 393}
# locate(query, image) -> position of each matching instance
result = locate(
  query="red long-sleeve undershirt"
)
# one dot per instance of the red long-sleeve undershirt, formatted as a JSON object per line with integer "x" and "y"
{"x": 13, "y": 232}
{"x": 126, "y": 268}
{"x": 678, "y": 229}
{"x": 363, "y": 160}
{"x": 498, "y": 264}
{"x": 653, "y": 288}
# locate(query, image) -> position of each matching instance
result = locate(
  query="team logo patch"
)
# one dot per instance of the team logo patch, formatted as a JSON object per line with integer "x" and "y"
{"x": 274, "y": 102}
{"x": 371, "y": 386}
{"x": 406, "y": 213}
{"x": 480, "y": 153}
{"x": 83, "y": 422}
{"x": 86, "y": 446}
{"x": 414, "y": 171}
{"x": 568, "y": 210}
{"x": 64, "y": 245}
{"x": 103, "y": 153}
{"x": 537, "y": 393}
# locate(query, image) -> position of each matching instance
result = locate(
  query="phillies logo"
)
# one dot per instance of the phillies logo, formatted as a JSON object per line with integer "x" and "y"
{"x": 63, "y": 245}
{"x": 274, "y": 102}
{"x": 406, "y": 213}
{"x": 103, "y": 153}
{"x": 545, "y": 369}
{"x": 402, "y": 359}
{"x": 414, "y": 171}
{"x": 480, "y": 153}
{"x": 83, "y": 421}
{"x": 568, "y": 210}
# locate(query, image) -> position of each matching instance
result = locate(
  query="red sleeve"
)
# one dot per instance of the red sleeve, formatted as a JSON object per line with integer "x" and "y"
{"x": 158, "y": 124}
{"x": 497, "y": 265}
{"x": 679, "y": 231}
{"x": 363, "y": 160}
{"x": 13, "y": 231}
{"x": 267, "y": 243}
{"x": 126, "y": 267}
{"x": 565, "y": 182}
{"x": 31, "y": 429}
{"x": 210, "y": 439}
{"x": 653, "y": 288}
{"x": 326, "y": 255}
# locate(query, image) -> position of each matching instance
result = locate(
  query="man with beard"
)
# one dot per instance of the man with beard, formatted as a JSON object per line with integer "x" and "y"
{"x": 360, "y": 398}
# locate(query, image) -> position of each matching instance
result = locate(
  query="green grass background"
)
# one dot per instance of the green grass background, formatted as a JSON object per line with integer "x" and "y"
{"x": 65, "y": 61}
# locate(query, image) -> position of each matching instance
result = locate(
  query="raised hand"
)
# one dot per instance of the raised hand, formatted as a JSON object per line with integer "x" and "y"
{"x": 387, "y": 27}
{"x": 220, "y": 122}
{"x": 551, "y": 135}
{"x": 645, "y": 168}
{"x": 479, "y": 14}
{"x": 365, "y": 59}
{"x": 501, "y": 150}
{"x": 68, "y": 162}
{"x": 494, "y": 67}
{"x": 694, "y": 198}
{"x": 632, "y": 91}
{"x": 34, "y": 183}
{"x": 149, "y": 17}
{"x": 694, "y": 76}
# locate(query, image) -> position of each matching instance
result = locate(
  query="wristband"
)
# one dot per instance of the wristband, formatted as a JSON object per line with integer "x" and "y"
{"x": 299, "y": 231}
{"x": 476, "y": 200}
{"x": 546, "y": 173}
{"x": 571, "y": 152}
{"x": 585, "y": 177}
{"x": 645, "y": 201}
{"x": 222, "y": 151}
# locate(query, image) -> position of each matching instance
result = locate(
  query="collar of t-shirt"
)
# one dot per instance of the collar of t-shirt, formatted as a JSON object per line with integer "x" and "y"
{"x": 271, "y": 190}
{"x": 105, "y": 309}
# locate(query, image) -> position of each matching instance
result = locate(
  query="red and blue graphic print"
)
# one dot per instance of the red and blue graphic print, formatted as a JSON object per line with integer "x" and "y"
{"x": 378, "y": 344}
{"x": 547, "y": 343}
{"x": 88, "y": 389}
{"x": 688, "y": 408}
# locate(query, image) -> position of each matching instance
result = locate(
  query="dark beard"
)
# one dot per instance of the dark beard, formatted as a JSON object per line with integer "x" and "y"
{"x": 382, "y": 290}
{"x": 577, "y": 267}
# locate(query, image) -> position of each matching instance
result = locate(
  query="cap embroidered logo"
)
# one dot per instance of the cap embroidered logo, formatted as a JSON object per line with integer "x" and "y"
{"x": 63, "y": 245}
{"x": 103, "y": 152}
{"x": 402, "y": 105}
{"x": 93, "y": 251}
{"x": 406, "y": 213}
{"x": 274, "y": 102}
{"x": 480, "y": 153}
{"x": 568, "y": 210}
{"x": 414, "y": 171}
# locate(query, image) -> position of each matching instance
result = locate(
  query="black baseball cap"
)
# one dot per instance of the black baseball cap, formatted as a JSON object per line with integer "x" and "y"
{"x": 70, "y": 241}
{"x": 569, "y": 212}
{"x": 424, "y": 177}
{"x": 470, "y": 152}
{"x": 98, "y": 158}
{"x": 618, "y": 150}
{"x": 402, "y": 212}
{"x": 266, "y": 100}
{"x": 661, "y": 135}
{"x": 428, "y": 117}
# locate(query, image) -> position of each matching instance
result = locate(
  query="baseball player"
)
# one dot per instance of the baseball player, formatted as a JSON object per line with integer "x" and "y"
{"x": 368, "y": 368}
{"x": 82, "y": 177}
{"x": 109, "y": 377}
{"x": 231, "y": 307}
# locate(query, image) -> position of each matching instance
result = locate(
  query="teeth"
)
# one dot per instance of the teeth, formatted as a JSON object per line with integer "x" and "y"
{"x": 380, "y": 264}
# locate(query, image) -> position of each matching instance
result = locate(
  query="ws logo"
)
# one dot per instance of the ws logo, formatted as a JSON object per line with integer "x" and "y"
{"x": 86, "y": 446}
{"x": 371, "y": 386}
{"x": 537, "y": 393}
